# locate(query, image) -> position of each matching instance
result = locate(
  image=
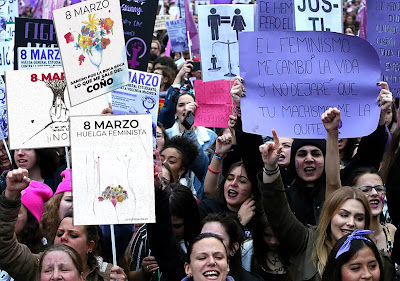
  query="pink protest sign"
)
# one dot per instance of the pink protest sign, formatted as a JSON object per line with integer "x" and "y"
{"x": 214, "y": 100}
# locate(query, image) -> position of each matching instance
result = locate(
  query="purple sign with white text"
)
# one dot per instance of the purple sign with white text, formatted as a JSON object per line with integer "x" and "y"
{"x": 384, "y": 34}
{"x": 293, "y": 77}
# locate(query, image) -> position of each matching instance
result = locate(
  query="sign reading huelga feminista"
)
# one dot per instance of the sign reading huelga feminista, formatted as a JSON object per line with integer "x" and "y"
{"x": 114, "y": 157}
{"x": 92, "y": 45}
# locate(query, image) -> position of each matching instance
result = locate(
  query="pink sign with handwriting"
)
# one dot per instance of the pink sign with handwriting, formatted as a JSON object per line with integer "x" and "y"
{"x": 214, "y": 100}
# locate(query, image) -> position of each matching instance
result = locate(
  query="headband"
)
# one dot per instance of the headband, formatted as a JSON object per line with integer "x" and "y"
{"x": 356, "y": 235}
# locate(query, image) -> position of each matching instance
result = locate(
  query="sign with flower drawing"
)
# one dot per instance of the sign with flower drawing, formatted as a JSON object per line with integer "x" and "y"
{"x": 91, "y": 39}
{"x": 114, "y": 183}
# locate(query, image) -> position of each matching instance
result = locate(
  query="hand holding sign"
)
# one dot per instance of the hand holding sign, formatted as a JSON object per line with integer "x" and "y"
{"x": 385, "y": 99}
{"x": 237, "y": 90}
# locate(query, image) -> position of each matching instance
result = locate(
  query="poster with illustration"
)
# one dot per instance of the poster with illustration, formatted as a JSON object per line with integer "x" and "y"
{"x": 177, "y": 35}
{"x": 37, "y": 34}
{"x": 3, "y": 111}
{"x": 44, "y": 120}
{"x": 138, "y": 18}
{"x": 115, "y": 183}
{"x": 219, "y": 26}
{"x": 91, "y": 40}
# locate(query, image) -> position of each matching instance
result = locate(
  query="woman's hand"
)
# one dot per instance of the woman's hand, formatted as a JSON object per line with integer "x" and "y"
{"x": 117, "y": 273}
{"x": 157, "y": 169}
{"x": 231, "y": 125}
{"x": 183, "y": 72}
{"x": 331, "y": 119}
{"x": 16, "y": 180}
{"x": 237, "y": 90}
{"x": 246, "y": 211}
{"x": 107, "y": 110}
{"x": 270, "y": 152}
{"x": 190, "y": 107}
{"x": 149, "y": 265}
{"x": 385, "y": 100}
{"x": 223, "y": 144}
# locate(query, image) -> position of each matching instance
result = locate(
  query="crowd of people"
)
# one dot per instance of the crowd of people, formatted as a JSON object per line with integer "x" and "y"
{"x": 229, "y": 205}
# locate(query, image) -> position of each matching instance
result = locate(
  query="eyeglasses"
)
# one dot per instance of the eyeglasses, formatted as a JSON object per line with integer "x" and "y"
{"x": 368, "y": 188}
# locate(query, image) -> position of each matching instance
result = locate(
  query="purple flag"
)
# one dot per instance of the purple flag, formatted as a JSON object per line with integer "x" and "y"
{"x": 362, "y": 19}
{"x": 193, "y": 32}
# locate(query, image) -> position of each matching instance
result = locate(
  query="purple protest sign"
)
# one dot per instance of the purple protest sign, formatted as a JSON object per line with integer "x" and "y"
{"x": 384, "y": 34}
{"x": 293, "y": 77}
{"x": 275, "y": 15}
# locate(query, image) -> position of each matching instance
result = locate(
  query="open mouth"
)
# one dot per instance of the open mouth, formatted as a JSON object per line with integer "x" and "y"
{"x": 346, "y": 231}
{"x": 309, "y": 170}
{"x": 374, "y": 203}
{"x": 282, "y": 157}
{"x": 211, "y": 274}
{"x": 232, "y": 193}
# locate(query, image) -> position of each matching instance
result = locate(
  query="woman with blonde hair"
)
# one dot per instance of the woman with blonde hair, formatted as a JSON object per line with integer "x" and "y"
{"x": 344, "y": 211}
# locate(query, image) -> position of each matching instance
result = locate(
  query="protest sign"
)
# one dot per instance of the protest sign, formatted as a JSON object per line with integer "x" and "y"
{"x": 114, "y": 183}
{"x": 198, "y": 3}
{"x": 138, "y": 18}
{"x": 39, "y": 109}
{"x": 29, "y": 57}
{"x": 384, "y": 35}
{"x": 318, "y": 15}
{"x": 33, "y": 33}
{"x": 177, "y": 35}
{"x": 275, "y": 15}
{"x": 140, "y": 96}
{"x": 3, "y": 111}
{"x": 92, "y": 46}
{"x": 219, "y": 27}
{"x": 160, "y": 22}
{"x": 6, "y": 61}
{"x": 215, "y": 105}
{"x": 293, "y": 77}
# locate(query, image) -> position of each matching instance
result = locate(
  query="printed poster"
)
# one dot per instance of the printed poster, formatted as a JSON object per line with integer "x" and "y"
{"x": 91, "y": 40}
{"x": 140, "y": 96}
{"x": 384, "y": 35}
{"x": 35, "y": 34}
{"x": 138, "y": 17}
{"x": 29, "y": 57}
{"x": 177, "y": 35}
{"x": 318, "y": 15}
{"x": 3, "y": 111}
{"x": 115, "y": 183}
{"x": 44, "y": 121}
{"x": 219, "y": 26}
{"x": 293, "y": 77}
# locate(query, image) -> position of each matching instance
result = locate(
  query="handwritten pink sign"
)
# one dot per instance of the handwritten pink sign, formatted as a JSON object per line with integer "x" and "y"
{"x": 214, "y": 100}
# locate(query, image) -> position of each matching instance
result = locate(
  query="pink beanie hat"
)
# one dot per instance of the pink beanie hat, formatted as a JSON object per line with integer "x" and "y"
{"x": 65, "y": 185}
{"x": 34, "y": 196}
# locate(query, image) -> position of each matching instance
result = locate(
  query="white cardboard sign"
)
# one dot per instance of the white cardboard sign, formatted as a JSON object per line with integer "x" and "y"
{"x": 112, "y": 177}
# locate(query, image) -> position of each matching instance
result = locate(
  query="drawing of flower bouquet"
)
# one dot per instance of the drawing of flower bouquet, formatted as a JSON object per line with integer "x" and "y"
{"x": 92, "y": 40}
{"x": 114, "y": 194}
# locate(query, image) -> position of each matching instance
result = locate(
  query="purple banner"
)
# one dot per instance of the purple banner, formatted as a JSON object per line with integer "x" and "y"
{"x": 275, "y": 15}
{"x": 384, "y": 34}
{"x": 293, "y": 77}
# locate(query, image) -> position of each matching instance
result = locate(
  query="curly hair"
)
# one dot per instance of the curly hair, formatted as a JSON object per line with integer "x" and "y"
{"x": 50, "y": 219}
{"x": 186, "y": 147}
{"x": 31, "y": 236}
